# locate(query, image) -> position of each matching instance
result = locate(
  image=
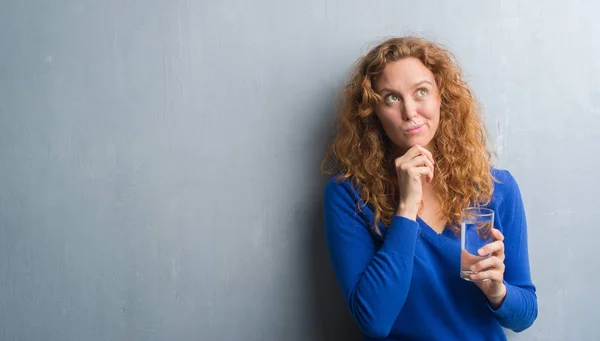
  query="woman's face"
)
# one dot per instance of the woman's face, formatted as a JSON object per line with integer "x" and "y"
{"x": 410, "y": 111}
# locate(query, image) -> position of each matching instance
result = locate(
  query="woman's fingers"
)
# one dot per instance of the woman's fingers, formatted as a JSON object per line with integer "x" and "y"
{"x": 416, "y": 156}
{"x": 493, "y": 275}
{"x": 412, "y": 153}
{"x": 492, "y": 262}
{"x": 497, "y": 234}
{"x": 419, "y": 161}
{"x": 496, "y": 247}
{"x": 417, "y": 172}
{"x": 422, "y": 151}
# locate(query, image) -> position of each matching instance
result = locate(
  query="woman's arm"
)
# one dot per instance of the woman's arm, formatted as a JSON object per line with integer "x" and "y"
{"x": 374, "y": 283}
{"x": 519, "y": 308}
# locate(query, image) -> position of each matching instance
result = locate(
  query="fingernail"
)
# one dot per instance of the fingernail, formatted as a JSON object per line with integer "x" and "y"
{"x": 481, "y": 251}
{"x": 473, "y": 268}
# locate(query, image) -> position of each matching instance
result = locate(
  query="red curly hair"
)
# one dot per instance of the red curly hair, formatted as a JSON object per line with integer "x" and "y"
{"x": 362, "y": 152}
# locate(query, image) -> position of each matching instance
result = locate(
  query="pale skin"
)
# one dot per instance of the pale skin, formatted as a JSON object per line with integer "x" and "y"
{"x": 410, "y": 114}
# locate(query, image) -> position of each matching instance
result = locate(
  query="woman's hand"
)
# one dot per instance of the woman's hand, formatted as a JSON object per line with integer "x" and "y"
{"x": 411, "y": 167}
{"x": 491, "y": 270}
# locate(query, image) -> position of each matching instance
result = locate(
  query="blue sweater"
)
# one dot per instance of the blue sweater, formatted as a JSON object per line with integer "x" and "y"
{"x": 406, "y": 285}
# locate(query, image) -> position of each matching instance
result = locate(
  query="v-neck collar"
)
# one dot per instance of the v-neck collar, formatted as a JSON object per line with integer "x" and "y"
{"x": 432, "y": 234}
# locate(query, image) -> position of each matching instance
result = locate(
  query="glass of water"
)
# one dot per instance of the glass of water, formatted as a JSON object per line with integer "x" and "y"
{"x": 475, "y": 232}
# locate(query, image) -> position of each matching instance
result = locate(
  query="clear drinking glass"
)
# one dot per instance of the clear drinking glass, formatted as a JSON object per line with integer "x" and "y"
{"x": 475, "y": 232}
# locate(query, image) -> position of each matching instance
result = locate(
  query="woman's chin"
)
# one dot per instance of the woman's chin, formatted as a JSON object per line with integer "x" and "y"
{"x": 417, "y": 142}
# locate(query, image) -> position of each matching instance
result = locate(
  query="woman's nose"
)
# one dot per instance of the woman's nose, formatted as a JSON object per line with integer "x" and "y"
{"x": 409, "y": 110}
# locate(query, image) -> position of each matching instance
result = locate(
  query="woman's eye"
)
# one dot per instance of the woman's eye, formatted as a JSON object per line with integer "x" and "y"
{"x": 391, "y": 98}
{"x": 421, "y": 92}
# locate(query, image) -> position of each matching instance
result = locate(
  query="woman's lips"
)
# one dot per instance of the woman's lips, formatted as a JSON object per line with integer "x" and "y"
{"x": 415, "y": 130}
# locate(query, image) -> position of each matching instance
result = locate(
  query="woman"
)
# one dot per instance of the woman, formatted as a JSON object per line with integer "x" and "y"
{"x": 409, "y": 156}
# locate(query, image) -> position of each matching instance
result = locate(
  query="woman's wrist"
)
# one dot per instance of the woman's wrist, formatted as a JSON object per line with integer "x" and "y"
{"x": 407, "y": 212}
{"x": 497, "y": 300}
